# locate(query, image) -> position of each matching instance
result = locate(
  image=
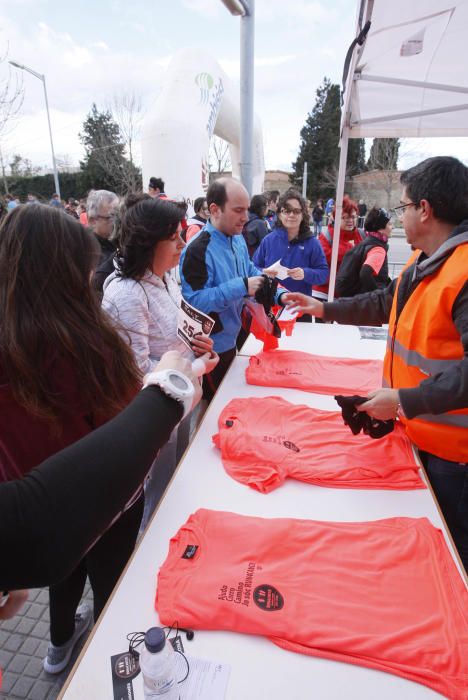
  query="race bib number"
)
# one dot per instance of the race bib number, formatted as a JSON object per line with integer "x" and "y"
{"x": 191, "y": 321}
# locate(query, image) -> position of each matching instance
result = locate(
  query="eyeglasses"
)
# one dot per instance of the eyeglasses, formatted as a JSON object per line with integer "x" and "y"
{"x": 402, "y": 207}
{"x": 349, "y": 217}
{"x": 111, "y": 217}
{"x": 290, "y": 210}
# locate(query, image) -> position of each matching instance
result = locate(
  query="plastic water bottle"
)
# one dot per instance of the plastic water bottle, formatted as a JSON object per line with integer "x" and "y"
{"x": 158, "y": 667}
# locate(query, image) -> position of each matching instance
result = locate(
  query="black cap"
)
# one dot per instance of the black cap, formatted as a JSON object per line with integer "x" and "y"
{"x": 155, "y": 639}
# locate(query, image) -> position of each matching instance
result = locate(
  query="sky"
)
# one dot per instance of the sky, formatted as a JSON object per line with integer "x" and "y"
{"x": 94, "y": 51}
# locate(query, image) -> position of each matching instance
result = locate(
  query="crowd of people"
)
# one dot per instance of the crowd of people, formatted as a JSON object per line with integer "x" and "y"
{"x": 91, "y": 361}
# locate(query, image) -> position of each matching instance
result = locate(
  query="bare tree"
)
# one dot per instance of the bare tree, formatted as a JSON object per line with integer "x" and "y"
{"x": 127, "y": 111}
{"x": 329, "y": 178}
{"x": 4, "y": 177}
{"x": 23, "y": 167}
{"x": 64, "y": 162}
{"x": 220, "y": 156}
{"x": 390, "y": 183}
{"x": 11, "y": 99}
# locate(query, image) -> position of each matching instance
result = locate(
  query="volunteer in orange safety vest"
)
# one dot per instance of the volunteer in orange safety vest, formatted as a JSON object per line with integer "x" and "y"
{"x": 426, "y": 363}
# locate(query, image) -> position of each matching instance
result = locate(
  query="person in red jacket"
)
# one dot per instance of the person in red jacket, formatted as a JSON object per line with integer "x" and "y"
{"x": 349, "y": 236}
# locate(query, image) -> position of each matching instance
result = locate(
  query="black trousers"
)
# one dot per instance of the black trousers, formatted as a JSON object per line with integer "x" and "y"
{"x": 104, "y": 563}
{"x": 449, "y": 481}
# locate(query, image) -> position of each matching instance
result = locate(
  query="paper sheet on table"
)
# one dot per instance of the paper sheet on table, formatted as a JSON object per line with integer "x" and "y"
{"x": 281, "y": 270}
{"x": 207, "y": 680}
{"x": 373, "y": 332}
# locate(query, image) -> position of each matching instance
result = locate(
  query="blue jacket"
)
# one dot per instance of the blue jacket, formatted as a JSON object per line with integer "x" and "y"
{"x": 214, "y": 269}
{"x": 306, "y": 253}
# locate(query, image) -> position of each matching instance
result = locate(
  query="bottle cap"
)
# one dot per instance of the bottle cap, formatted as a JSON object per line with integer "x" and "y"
{"x": 155, "y": 639}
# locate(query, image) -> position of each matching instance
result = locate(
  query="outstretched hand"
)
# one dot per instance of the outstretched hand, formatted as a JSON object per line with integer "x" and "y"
{"x": 301, "y": 303}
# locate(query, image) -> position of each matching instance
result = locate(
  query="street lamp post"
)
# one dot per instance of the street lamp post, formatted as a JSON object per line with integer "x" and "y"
{"x": 304, "y": 181}
{"x": 42, "y": 78}
{"x": 246, "y": 10}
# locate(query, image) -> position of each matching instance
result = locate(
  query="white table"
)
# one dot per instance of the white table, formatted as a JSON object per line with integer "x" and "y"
{"x": 260, "y": 670}
{"x": 330, "y": 339}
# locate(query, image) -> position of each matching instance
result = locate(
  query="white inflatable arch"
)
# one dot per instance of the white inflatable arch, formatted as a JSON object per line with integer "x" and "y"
{"x": 197, "y": 100}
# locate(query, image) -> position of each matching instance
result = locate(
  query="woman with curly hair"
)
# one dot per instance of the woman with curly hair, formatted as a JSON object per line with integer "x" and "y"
{"x": 64, "y": 370}
{"x": 292, "y": 242}
{"x": 143, "y": 298}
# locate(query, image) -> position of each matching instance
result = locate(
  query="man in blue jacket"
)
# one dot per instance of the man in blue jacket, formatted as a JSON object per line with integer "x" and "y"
{"x": 217, "y": 274}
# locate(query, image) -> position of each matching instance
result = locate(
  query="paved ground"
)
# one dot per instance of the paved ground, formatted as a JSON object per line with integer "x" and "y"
{"x": 23, "y": 645}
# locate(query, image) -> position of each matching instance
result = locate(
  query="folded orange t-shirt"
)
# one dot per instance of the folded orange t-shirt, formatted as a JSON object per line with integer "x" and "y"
{"x": 263, "y": 441}
{"x": 317, "y": 373}
{"x": 383, "y": 594}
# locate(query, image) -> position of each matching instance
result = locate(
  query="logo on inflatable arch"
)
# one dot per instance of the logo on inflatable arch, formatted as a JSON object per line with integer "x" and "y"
{"x": 205, "y": 82}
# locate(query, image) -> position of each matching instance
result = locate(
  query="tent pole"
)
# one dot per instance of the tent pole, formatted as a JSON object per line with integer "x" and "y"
{"x": 338, "y": 209}
{"x": 411, "y": 83}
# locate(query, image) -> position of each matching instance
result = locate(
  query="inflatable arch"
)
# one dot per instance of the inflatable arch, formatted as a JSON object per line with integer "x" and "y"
{"x": 197, "y": 101}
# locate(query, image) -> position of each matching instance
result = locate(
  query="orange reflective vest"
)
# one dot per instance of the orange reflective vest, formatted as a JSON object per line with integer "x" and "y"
{"x": 423, "y": 341}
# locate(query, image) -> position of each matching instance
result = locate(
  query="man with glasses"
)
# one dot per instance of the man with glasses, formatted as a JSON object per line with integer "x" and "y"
{"x": 426, "y": 363}
{"x": 101, "y": 207}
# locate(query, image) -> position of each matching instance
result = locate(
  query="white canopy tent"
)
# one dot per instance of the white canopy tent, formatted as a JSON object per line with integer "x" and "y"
{"x": 406, "y": 74}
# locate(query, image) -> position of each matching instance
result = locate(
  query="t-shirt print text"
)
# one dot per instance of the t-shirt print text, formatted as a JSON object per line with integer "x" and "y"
{"x": 281, "y": 440}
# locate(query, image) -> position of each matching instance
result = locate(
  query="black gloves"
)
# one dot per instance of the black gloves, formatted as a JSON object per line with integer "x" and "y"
{"x": 360, "y": 420}
{"x": 266, "y": 295}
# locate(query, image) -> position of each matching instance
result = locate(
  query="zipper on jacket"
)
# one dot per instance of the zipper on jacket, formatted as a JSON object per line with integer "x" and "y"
{"x": 235, "y": 257}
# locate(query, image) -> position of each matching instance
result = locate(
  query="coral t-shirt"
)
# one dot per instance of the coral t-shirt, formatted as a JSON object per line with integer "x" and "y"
{"x": 316, "y": 373}
{"x": 383, "y": 594}
{"x": 263, "y": 441}
{"x": 375, "y": 258}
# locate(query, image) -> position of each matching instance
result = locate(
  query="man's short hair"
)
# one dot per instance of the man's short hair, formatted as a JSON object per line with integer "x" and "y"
{"x": 156, "y": 183}
{"x": 273, "y": 195}
{"x": 443, "y": 181}
{"x": 96, "y": 198}
{"x": 217, "y": 193}
{"x": 258, "y": 204}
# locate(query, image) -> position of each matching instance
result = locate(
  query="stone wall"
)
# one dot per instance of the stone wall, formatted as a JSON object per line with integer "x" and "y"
{"x": 376, "y": 187}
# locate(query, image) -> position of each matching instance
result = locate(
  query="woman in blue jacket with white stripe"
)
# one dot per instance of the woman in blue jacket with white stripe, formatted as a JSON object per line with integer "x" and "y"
{"x": 292, "y": 242}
